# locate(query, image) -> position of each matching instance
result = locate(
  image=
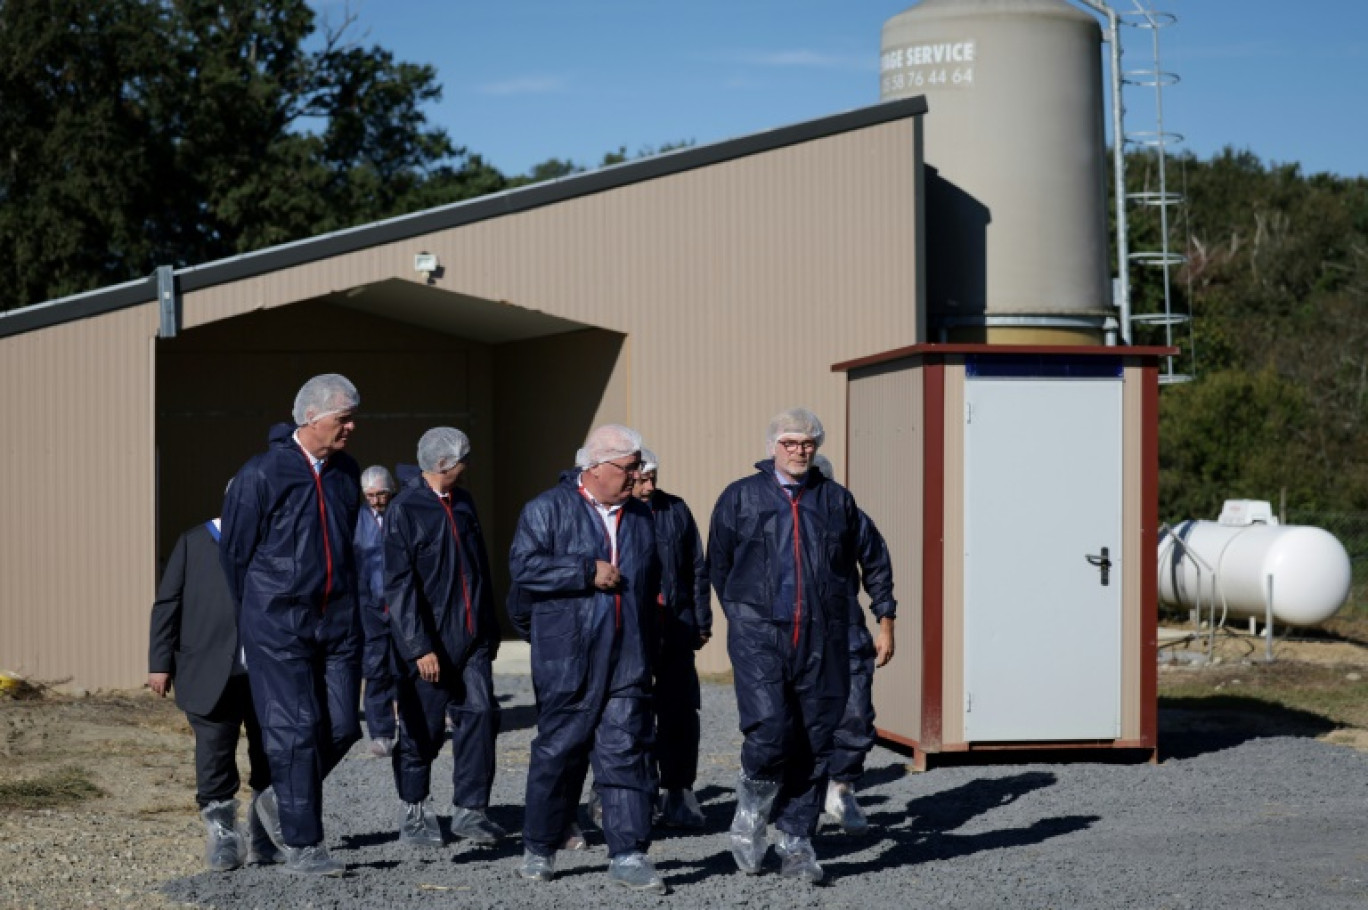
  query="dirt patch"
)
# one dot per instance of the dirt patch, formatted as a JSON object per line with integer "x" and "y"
{"x": 1316, "y": 684}
{"x": 114, "y": 849}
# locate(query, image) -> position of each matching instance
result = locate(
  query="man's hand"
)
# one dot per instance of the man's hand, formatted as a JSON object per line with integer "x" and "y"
{"x": 159, "y": 683}
{"x": 883, "y": 645}
{"x": 606, "y": 576}
{"x": 429, "y": 668}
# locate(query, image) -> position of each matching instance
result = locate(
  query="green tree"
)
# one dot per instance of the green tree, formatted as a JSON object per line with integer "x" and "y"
{"x": 136, "y": 133}
{"x": 1277, "y": 282}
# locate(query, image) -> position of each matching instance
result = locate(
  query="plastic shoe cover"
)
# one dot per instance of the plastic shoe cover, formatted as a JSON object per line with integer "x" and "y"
{"x": 635, "y": 871}
{"x": 311, "y": 861}
{"x": 749, "y": 841}
{"x": 382, "y": 747}
{"x": 475, "y": 826}
{"x": 418, "y": 826}
{"x": 263, "y": 850}
{"x": 797, "y": 858}
{"x": 537, "y": 868}
{"x": 223, "y": 847}
{"x": 842, "y": 806}
{"x": 574, "y": 838}
{"x": 754, "y": 801}
{"x": 593, "y": 807}
{"x": 268, "y": 813}
{"x": 679, "y": 809}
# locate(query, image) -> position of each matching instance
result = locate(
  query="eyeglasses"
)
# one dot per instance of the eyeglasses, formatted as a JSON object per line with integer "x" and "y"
{"x": 794, "y": 445}
{"x": 633, "y": 468}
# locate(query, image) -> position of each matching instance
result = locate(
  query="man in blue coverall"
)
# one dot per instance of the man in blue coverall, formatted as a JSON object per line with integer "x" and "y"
{"x": 585, "y": 565}
{"x": 855, "y": 734}
{"x": 377, "y": 650}
{"x": 782, "y": 548}
{"x": 286, "y": 549}
{"x": 437, "y": 585}
{"x": 686, "y": 626}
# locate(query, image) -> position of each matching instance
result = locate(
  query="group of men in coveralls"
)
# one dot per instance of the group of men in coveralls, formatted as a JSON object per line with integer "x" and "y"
{"x": 610, "y": 585}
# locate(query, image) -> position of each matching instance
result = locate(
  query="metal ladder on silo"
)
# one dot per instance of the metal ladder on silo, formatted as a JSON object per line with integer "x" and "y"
{"x": 1162, "y": 199}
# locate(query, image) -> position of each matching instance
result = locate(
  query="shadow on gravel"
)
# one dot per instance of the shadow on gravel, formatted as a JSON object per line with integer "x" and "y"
{"x": 520, "y": 717}
{"x": 884, "y": 774}
{"x": 1190, "y": 727}
{"x": 948, "y": 809}
{"x": 379, "y": 865}
{"x": 369, "y": 839}
{"x": 910, "y": 848}
{"x": 711, "y": 792}
{"x": 714, "y": 866}
{"x": 921, "y": 831}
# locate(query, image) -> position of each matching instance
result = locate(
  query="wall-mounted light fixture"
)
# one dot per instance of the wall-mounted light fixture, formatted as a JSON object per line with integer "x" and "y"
{"x": 426, "y": 263}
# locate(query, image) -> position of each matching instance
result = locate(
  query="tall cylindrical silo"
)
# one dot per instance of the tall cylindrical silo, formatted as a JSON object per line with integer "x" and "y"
{"x": 1016, "y": 203}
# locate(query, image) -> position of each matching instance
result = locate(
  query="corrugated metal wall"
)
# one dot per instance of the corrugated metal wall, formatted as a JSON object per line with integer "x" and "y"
{"x": 736, "y": 286}
{"x": 1133, "y": 495}
{"x": 887, "y": 474}
{"x": 77, "y": 566}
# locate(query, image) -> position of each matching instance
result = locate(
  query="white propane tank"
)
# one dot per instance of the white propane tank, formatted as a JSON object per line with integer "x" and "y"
{"x": 1306, "y": 569}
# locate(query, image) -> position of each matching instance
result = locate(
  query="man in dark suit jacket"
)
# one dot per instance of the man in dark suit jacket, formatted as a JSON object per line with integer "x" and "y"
{"x": 194, "y": 642}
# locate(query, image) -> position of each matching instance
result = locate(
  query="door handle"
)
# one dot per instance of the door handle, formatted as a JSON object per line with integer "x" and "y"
{"x": 1103, "y": 563}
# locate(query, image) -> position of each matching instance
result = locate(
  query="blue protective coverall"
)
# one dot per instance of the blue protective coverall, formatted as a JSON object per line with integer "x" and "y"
{"x": 438, "y": 587}
{"x": 782, "y": 568}
{"x": 591, "y": 664}
{"x": 377, "y": 653}
{"x": 686, "y": 614}
{"x": 855, "y": 734}
{"x": 286, "y": 551}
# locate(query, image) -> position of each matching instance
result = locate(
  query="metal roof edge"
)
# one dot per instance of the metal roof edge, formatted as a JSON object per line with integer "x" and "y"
{"x": 456, "y": 214}
{"x": 78, "y": 306}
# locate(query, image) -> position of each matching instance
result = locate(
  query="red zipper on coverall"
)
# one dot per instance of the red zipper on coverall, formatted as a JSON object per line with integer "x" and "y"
{"x": 460, "y": 566}
{"x": 612, "y": 552}
{"x": 323, "y": 518}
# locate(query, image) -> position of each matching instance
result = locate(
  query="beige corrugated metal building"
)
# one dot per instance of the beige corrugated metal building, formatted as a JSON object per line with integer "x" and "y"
{"x": 690, "y": 295}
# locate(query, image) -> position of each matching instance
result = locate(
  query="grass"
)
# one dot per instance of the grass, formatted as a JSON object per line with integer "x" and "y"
{"x": 65, "y": 787}
{"x": 1282, "y": 686}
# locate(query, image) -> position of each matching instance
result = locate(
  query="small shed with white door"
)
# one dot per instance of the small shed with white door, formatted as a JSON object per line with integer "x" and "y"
{"x": 1017, "y": 489}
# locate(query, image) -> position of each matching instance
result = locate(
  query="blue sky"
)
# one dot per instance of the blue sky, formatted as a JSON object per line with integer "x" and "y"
{"x": 528, "y": 80}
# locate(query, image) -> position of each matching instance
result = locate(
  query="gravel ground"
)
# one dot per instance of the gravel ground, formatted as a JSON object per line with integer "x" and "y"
{"x": 1226, "y": 820}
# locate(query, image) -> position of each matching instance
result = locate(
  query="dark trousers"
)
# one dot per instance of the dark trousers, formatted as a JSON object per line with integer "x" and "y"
{"x": 790, "y": 698}
{"x": 676, "y": 703}
{"x": 216, "y": 740}
{"x": 465, "y": 697}
{"x": 616, "y": 738}
{"x": 379, "y": 667}
{"x": 306, "y": 699}
{"x": 855, "y": 734}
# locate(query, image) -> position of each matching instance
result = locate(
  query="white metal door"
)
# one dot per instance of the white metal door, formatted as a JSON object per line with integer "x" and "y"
{"x": 1042, "y": 561}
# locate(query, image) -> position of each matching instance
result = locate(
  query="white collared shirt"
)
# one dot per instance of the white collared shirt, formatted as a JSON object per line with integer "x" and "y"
{"x": 607, "y": 514}
{"x": 316, "y": 462}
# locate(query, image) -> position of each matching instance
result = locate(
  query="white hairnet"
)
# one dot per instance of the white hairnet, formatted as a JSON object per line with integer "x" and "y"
{"x": 649, "y": 463}
{"x": 442, "y": 448}
{"x": 823, "y": 464}
{"x": 612, "y": 440}
{"x": 794, "y": 422}
{"x": 377, "y": 477}
{"x": 329, "y": 393}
